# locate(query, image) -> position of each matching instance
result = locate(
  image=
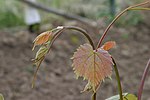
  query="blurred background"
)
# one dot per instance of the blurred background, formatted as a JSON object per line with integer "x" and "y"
{"x": 55, "y": 79}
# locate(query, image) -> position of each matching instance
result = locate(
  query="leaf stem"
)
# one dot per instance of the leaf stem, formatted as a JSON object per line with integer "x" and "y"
{"x": 54, "y": 38}
{"x": 140, "y": 9}
{"x": 118, "y": 79}
{"x": 116, "y": 18}
{"x": 73, "y": 28}
{"x": 82, "y": 31}
{"x": 36, "y": 71}
{"x": 94, "y": 96}
{"x": 143, "y": 80}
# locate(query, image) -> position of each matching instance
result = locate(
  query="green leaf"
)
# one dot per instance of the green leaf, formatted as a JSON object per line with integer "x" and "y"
{"x": 126, "y": 96}
{"x": 130, "y": 97}
{"x": 1, "y": 97}
{"x": 41, "y": 52}
{"x": 40, "y": 55}
{"x": 116, "y": 97}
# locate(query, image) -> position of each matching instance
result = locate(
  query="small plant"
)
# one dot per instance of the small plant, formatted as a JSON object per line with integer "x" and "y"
{"x": 92, "y": 63}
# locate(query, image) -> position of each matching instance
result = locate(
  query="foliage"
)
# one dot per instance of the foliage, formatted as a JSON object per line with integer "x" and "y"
{"x": 10, "y": 15}
{"x": 126, "y": 96}
{"x": 11, "y": 12}
{"x": 9, "y": 19}
{"x": 42, "y": 38}
{"x": 93, "y": 64}
{"x": 1, "y": 97}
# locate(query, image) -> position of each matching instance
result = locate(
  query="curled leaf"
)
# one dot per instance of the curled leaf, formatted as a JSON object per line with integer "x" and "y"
{"x": 108, "y": 45}
{"x": 42, "y": 38}
{"x": 89, "y": 87}
{"x": 40, "y": 55}
{"x": 41, "y": 52}
{"x": 93, "y": 65}
{"x": 38, "y": 63}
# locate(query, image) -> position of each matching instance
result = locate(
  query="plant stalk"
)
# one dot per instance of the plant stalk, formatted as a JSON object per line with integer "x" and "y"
{"x": 94, "y": 96}
{"x": 72, "y": 28}
{"x": 118, "y": 79}
{"x": 143, "y": 80}
{"x": 54, "y": 38}
{"x": 82, "y": 31}
{"x": 140, "y": 9}
{"x": 116, "y": 18}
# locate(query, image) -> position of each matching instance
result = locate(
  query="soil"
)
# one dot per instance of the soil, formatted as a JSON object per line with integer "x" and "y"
{"x": 56, "y": 80}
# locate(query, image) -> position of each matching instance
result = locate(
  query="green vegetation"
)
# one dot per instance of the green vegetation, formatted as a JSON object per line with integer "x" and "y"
{"x": 9, "y": 19}
{"x": 11, "y": 12}
{"x": 1, "y": 97}
{"x": 93, "y": 64}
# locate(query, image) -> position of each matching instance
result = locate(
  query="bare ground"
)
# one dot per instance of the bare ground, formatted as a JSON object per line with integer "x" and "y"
{"x": 56, "y": 80}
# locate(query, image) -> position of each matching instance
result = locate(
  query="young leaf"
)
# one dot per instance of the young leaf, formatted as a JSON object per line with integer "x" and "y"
{"x": 116, "y": 97}
{"x": 89, "y": 87}
{"x": 40, "y": 55}
{"x": 93, "y": 65}
{"x": 41, "y": 52}
{"x": 1, "y": 97}
{"x": 108, "y": 45}
{"x": 126, "y": 96}
{"x": 38, "y": 63}
{"x": 42, "y": 38}
{"x": 130, "y": 97}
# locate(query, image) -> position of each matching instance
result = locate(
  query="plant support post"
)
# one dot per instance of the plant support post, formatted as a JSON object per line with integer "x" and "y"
{"x": 112, "y": 7}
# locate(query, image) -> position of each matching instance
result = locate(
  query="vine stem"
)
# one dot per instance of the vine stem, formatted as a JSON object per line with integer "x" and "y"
{"x": 36, "y": 71}
{"x": 57, "y": 34}
{"x": 143, "y": 80}
{"x": 54, "y": 38}
{"x": 116, "y": 18}
{"x": 82, "y": 31}
{"x": 118, "y": 79}
{"x": 140, "y": 9}
{"x": 94, "y": 96}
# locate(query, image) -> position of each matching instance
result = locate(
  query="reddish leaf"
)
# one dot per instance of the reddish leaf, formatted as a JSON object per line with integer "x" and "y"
{"x": 108, "y": 45}
{"x": 42, "y": 38}
{"x": 92, "y": 65}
